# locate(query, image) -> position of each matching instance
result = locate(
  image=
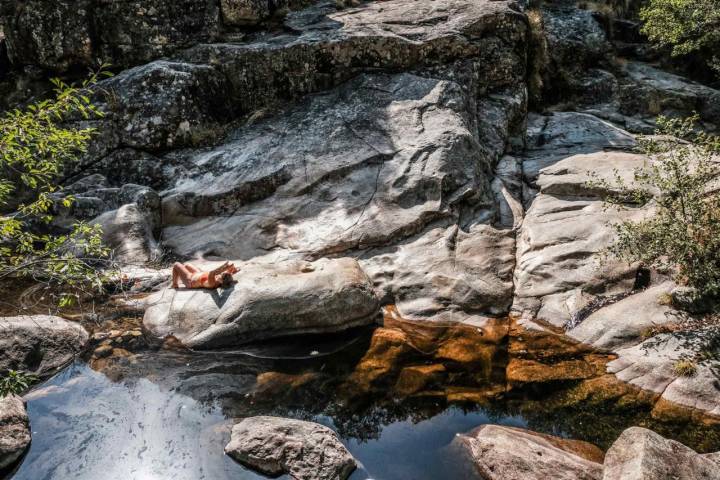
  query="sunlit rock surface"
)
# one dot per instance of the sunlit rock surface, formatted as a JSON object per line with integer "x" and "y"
{"x": 14, "y": 430}
{"x": 640, "y": 453}
{"x": 651, "y": 365}
{"x": 305, "y": 450}
{"x": 506, "y": 453}
{"x": 266, "y": 301}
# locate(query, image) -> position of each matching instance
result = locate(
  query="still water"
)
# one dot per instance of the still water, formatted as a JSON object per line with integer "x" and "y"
{"x": 166, "y": 415}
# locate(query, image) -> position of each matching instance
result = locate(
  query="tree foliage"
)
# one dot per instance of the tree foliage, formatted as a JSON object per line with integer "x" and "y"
{"x": 685, "y": 26}
{"x": 681, "y": 185}
{"x": 36, "y": 144}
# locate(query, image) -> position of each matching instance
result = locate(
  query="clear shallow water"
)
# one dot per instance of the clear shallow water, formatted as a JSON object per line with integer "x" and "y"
{"x": 167, "y": 415}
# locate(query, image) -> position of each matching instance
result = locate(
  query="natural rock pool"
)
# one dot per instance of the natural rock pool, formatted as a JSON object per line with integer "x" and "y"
{"x": 397, "y": 395}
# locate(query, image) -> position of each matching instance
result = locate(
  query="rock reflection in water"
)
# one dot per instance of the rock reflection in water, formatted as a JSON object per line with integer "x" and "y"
{"x": 396, "y": 395}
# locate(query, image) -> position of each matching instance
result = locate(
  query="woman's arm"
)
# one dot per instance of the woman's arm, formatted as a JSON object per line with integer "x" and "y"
{"x": 220, "y": 269}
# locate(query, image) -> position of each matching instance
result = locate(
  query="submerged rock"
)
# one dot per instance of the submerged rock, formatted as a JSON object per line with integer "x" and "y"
{"x": 267, "y": 301}
{"x": 641, "y": 454}
{"x": 508, "y": 453}
{"x": 304, "y": 450}
{"x": 39, "y": 344}
{"x": 14, "y": 430}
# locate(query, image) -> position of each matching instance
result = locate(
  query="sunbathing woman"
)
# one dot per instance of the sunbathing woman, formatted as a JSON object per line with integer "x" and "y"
{"x": 191, "y": 277}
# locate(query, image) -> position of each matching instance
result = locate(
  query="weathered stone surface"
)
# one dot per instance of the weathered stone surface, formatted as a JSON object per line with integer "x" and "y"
{"x": 641, "y": 454}
{"x": 561, "y": 135}
{"x": 304, "y": 450}
{"x": 359, "y": 166}
{"x": 128, "y": 231}
{"x": 567, "y": 226}
{"x": 163, "y": 104}
{"x": 444, "y": 273}
{"x": 252, "y": 12}
{"x": 333, "y": 46}
{"x": 650, "y": 365}
{"x": 575, "y": 45}
{"x": 267, "y": 301}
{"x": 508, "y": 453}
{"x": 14, "y": 430}
{"x": 64, "y": 35}
{"x": 646, "y": 92}
{"x": 39, "y": 344}
{"x": 626, "y": 322}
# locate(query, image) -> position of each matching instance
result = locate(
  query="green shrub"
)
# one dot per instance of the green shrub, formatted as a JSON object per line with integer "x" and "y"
{"x": 683, "y": 234}
{"x": 15, "y": 382}
{"x": 36, "y": 145}
{"x": 685, "y": 26}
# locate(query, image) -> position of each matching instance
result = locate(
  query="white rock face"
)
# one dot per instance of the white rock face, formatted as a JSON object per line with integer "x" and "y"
{"x": 641, "y": 454}
{"x": 14, "y": 430}
{"x": 304, "y": 450}
{"x": 446, "y": 272}
{"x": 39, "y": 344}
{"x": 267, "y": 301}
{"x": 567, "y": 226}
{"x": 623, "y": 324}
{"x": 507, "y": 453}
{"x": 650, "y": 365}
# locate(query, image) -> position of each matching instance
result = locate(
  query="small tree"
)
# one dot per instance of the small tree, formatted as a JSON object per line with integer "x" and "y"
{"x": 36, "y": 145}
{"x": 683, "y": 234}
{"x": 685, "y": 26}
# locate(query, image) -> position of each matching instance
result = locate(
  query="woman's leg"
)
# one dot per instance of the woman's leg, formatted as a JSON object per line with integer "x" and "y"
{"x": 180, "y": 272}
{"x": 190, "y": 268}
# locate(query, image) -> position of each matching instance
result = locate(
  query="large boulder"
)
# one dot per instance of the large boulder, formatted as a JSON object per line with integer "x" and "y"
{"x": 304, "y": 450}
{"x": 641, "y": 454}
{"x": 508, "y": 453}
{"x": 267, "y": 301}
{"x": 14, "y": 430}
{"x": 445, "y": 272}
{"x": 39, "y": 344}
{"x": 363, "y": 165}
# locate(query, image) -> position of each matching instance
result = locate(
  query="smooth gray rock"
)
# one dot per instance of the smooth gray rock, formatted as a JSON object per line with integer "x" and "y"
{"x": 641, "y": 454}
{"x": 565, "y": 232}
{"x": 267, "y": 301}
{"x": 624, "y": 323}
{"x": 129, "y": 232}
{"x": 304, "y": 450}
{"x": 39, "y": 344}
{"x": 446, "y": 272}
{"x": 552, "y": 138}
{"x": 650, "y": 365}
{"x": 508, "y": 453}
{"x": 360, "y": 166}
{"x": 14, "y": 430}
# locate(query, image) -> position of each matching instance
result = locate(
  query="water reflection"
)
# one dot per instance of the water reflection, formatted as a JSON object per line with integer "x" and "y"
{"x": 397, "y": 395}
